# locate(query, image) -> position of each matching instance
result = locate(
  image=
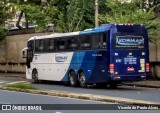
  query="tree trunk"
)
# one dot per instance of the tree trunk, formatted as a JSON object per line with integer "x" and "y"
{"x": 18, "y": 22}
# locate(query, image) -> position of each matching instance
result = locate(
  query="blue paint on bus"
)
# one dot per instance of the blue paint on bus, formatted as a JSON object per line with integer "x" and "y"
{"x": 125, "y": 61}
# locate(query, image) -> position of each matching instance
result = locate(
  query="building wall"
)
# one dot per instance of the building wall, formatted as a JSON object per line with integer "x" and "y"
{"x": 10, "y": 58}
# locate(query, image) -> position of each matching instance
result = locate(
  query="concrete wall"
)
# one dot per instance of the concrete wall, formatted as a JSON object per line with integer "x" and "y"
{"x": 10, "y": 53}
{"x": 154, "y": 53}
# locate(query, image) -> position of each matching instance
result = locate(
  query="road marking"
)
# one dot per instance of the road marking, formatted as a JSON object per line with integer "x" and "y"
{"x": 17, "y": 82}
{"x": 58, "y": 112}
{"x": 4, "y": 103}
{"x": 3, "y": 82}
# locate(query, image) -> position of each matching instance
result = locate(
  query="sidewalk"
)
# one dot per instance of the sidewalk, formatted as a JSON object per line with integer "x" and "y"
{"x": 20, "y": 75}
{"x": 147, "y": 83}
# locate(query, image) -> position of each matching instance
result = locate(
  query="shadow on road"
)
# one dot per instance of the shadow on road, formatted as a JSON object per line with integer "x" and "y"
{"x": 119, "y": 87}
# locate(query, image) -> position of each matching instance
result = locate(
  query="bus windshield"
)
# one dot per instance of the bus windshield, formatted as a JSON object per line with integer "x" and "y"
{"x": 128, "y": 41}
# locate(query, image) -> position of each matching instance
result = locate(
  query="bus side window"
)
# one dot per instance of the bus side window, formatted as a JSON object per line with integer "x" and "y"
{"x": 37, "y": 46}
{"x": 95, "y": 41}
{"x": 85, "y": 42}
{"x": 41, "y": 45}
{"x": 51, "y": 44}
{"x": 103, "y": 43}
{"x": 72, "y": 43}
{"x": 61, "y": 44}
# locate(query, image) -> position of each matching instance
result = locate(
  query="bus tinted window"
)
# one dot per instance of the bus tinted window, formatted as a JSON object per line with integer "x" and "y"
{"x": 61, "y": 44}
{"x": 51, "y": 45}
{"x": 72, "y": 43}
{"x": 135, "y": 28}
{"x": 30, "y": 44}
{"x": 103, "y": 43}
{"x": 85, "y": 42}
{"x": 39, "y": 46}
{"x": 99, "y": 41}
{"x": 96, "y": 41}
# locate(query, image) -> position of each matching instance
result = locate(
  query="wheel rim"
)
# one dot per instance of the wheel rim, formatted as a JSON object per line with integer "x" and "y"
{"x": 71, "y": 79}
{"x": 82, "y": 79}
{"x": 35, "y": 76}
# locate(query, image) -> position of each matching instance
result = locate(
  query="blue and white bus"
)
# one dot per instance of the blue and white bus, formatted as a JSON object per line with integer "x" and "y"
{"x": 108, "y": 54}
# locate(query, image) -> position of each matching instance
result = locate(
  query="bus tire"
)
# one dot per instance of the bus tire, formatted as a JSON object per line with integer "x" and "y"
{"x": 35, "y": 76}
{"x": 72, "y": 79}
{"x": 82, "y": 80}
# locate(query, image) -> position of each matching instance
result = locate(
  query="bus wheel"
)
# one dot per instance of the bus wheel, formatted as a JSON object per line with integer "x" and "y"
{"x": 72, "y": 79}
{"x": 35, "y": 76}
{"x": 82, "y": 80}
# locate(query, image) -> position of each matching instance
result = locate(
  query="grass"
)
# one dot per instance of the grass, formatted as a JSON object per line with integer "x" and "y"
{"x": 21, "y": 86}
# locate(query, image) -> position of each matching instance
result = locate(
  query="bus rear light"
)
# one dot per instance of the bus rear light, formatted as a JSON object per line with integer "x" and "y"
{"x": 111, "y": 67}
{"x": 147, "y": 67}
{"x": 127, "y": 24}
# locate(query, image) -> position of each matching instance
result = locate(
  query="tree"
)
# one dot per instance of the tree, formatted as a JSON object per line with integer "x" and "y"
{"x": 3, "y": 16}
{"x": 35, "y": 12}
{"x": 131, "y": 13}
{"x": 76, "y": 15}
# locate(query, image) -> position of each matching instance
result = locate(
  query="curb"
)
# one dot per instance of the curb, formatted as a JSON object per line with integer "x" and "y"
{"x": 142, "y": 85}
{"x": 24, "y": 82}
{"x": 85, "y": 96}
{"x": 12, "y": 76}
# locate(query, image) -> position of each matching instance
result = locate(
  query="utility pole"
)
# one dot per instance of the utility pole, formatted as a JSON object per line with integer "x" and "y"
{"x": 96, "y": 14}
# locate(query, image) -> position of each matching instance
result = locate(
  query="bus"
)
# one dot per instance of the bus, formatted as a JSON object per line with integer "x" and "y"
{"x": 108, "y": 54}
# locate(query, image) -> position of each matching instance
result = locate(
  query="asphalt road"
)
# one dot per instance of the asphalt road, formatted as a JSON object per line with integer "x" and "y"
{"x": 11, "y": 79}
{"x": 9, "y": 97}
{"x": 139, "y": 93}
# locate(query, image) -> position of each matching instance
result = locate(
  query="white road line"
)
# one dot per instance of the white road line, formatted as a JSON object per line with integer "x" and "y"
{"x": 4, "y": 102}
{"x": 17, "y": 82}
{"x": 58, "y": 112}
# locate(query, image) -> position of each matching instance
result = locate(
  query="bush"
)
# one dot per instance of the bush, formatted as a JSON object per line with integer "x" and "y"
{"x": 2, "y": 33}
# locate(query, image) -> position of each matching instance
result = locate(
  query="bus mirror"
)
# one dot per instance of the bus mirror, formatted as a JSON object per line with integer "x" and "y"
{"x": 24, "y": 53}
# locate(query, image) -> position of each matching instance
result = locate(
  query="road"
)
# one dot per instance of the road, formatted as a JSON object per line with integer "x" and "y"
{"x": 10, "y": 79}
{"x": 10, "y": 97}
{"x": 139, "y": 93}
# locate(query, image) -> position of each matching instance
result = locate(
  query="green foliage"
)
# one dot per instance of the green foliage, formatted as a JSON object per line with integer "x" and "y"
{"x": 77, "y": 15}
{"x": 130, "y": 13}
{"x": 36, "y": 12}
{"x": 2, "y": 33}
{"x": 21, "y": 86}
{"x": 3, "y": 16}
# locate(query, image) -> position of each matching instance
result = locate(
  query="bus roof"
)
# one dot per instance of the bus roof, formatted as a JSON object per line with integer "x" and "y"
{"x": 54, "y": 35}
{"x": 102, "y": 28}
